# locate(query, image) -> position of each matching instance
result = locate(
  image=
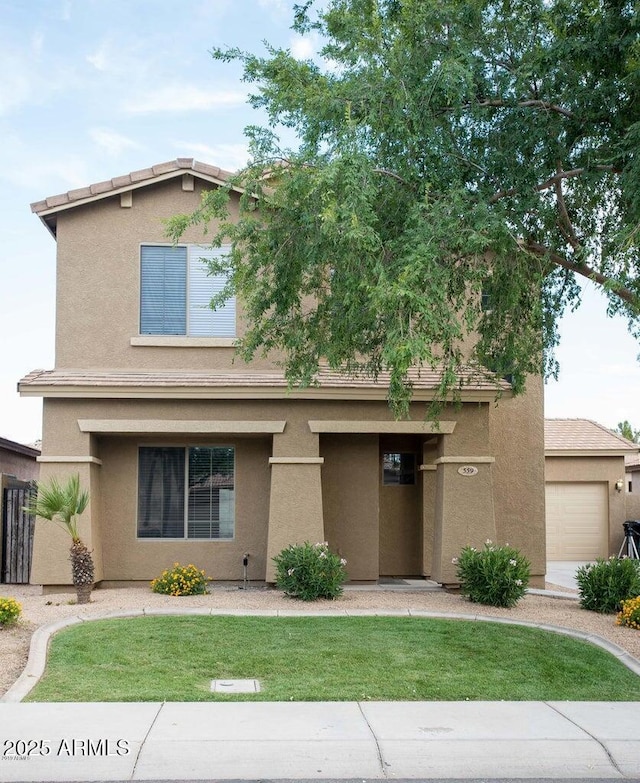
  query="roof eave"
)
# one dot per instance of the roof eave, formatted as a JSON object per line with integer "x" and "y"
{"x": 622, "y": 452}
{"x": 48, "y": 215}
{"x": 237, "y": 392}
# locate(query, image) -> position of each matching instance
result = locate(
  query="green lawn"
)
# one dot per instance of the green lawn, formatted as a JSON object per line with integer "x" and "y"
{"x": 326, "y": 658}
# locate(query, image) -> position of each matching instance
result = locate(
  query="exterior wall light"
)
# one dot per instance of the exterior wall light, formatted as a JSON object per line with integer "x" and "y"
{"x": 619, "y": 485}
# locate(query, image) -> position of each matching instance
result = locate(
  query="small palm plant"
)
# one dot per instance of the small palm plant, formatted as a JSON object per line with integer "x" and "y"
{"x": 62, "y": 504}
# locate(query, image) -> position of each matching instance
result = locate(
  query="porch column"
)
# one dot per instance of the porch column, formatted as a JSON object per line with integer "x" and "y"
{"x": 295, "y": 503}
{"x": 429, "y": 475}
{"x": 50, "y": 565}
{"x": 464, "y": 509}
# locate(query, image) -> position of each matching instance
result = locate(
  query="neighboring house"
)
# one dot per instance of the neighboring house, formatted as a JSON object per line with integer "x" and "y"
{"x": 191, "y": 455}
{"x": 632, "y": 477}
{"x": 586, "y": 497}
{"x": 18, "y": 465}
{"x": 18, "y": 460}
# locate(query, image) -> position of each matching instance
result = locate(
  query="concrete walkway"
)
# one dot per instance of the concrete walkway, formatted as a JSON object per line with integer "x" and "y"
{"x": 281, "y": 740}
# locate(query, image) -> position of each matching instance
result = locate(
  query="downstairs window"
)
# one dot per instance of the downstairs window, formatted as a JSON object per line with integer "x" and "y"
{"x": 186, "y": 492}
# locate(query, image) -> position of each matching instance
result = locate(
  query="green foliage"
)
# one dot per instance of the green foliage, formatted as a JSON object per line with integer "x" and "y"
{"x": 605, "y": 584}
{"x": 61, "y": 503}
{"x": 181, "y": 580}
{"x": 447, "y": 148}
{"x": 629, "y": 614}
{"x": 10, "y": 610}
{"x": 495, "y": 575}
{"x": 310, "y": 571}
{"x": 625, "y": 429}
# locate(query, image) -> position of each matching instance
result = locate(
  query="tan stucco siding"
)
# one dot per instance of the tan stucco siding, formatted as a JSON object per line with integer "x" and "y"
{"x": 98, "y": 284}
{"x": 128, "y": 558}
{"x": 516, "y": 429}
{"x": 595, "y": 469}
{"x": 329, "y": 483}
{"x": 350, "y": 487}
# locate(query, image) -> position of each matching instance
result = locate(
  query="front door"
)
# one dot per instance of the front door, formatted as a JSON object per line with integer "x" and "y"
{"x": 400, "y": 552}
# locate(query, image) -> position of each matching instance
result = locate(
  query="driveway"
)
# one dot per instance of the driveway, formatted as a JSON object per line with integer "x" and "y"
{"x": 563, "y": 572}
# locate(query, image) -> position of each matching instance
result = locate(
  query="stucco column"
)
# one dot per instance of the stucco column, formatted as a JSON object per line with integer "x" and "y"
{"x": 50, "y": 564}
{"x": 429, "y": 475}
{"x": 65, "y": 453}
{"x": 295, "y": 502}
{"x": 464, "y": 511}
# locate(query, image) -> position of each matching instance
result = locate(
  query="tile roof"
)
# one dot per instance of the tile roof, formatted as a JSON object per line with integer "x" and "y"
{"x": 129, "y": 181}
{"x": 583, "y": 435}
{"x": 425, "y": 379}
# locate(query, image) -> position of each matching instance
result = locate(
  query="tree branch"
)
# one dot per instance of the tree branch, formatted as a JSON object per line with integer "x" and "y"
{"x": 569, "y": 231}
{"x": 626, "y": 294}
{"x": 551, "y": 182}
{"x": 536, "y": 104}
{"x": 391, "y": 174}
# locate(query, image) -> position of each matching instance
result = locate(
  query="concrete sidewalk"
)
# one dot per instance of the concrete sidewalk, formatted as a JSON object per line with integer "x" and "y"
{"x": 277, "y": 740}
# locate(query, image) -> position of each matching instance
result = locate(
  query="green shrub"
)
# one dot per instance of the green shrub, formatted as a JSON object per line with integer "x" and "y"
{"x": 495, "y": 575}
{"x": 605, "y": 584}
{"x": 10, "y": 610}
{"x": 630, "y": 613}
{"x": 310, "y": 571}
{"x": 181, "y": 580}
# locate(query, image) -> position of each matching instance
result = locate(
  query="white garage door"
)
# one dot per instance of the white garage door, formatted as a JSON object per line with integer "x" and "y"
{"x": 577, "y": 521}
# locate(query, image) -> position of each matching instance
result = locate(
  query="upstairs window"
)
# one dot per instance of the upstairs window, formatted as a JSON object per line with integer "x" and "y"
{"x": 176, "y": 289}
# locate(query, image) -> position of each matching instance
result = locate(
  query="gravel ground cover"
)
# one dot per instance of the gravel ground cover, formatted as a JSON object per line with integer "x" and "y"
{"x": 40, "y": 610}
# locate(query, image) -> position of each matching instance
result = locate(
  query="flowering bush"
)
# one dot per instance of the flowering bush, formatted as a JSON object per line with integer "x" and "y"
{"x": 9, "y": 611}
{"x": 630, "y": 613}
{"x": 605, "y": 584}
{"x": 495, "y": 575}
{"x": 310, "y": 571}
{"x": 181, "y": 580}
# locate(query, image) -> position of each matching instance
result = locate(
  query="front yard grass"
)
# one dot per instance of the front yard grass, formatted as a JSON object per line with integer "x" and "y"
{"x": 326, "y": 659}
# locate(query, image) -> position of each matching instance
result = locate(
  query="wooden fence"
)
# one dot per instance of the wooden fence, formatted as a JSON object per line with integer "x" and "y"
{"x": 17, "y": 533}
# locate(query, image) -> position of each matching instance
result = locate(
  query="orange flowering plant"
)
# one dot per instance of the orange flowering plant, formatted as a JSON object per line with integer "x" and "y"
{"x": 9, "y": 611}
{"x": 630, "y": 613}
{"x": 181, "y": 580}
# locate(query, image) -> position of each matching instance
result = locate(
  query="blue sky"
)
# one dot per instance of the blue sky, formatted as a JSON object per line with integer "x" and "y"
{"x": 92, "y": 89}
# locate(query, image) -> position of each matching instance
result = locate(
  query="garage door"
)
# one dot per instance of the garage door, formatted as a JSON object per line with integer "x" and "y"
{"x": 577, "y": 521}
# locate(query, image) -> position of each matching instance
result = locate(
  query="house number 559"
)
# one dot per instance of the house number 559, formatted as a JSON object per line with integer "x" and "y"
{"x": 467, "y": 470}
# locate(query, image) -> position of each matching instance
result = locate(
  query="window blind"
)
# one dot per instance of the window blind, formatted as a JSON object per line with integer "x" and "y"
{"x": 203, "y": 286}
{"x": 163, "y": 290}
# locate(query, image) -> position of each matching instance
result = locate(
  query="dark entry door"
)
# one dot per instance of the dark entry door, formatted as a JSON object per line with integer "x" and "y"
{"x": 400, "y": 543}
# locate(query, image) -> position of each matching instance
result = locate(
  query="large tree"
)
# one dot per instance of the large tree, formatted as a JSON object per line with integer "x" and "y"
{"x": 461, "y": 164}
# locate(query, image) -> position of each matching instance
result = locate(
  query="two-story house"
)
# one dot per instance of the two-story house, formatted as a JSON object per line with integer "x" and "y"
{"x": 192, "y": 456}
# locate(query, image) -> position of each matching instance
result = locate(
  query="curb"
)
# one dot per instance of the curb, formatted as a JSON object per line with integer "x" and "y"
{"x": 38, "y": 649}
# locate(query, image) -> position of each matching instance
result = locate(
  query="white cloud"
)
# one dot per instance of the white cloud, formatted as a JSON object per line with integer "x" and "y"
{"x": 37, "y": 42}
{"x": 303, "y": 47}
{"x": 276, "y": 6}
{"x": 180, "y": 98}
{"x": 15, "y": 88}
{"x": 112, "y": 142}
{"x": 228, "y": 156}
{"x": 100, "y": 59}
{"x": 65, "y": 11}
{"x": 45, "y": 177}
